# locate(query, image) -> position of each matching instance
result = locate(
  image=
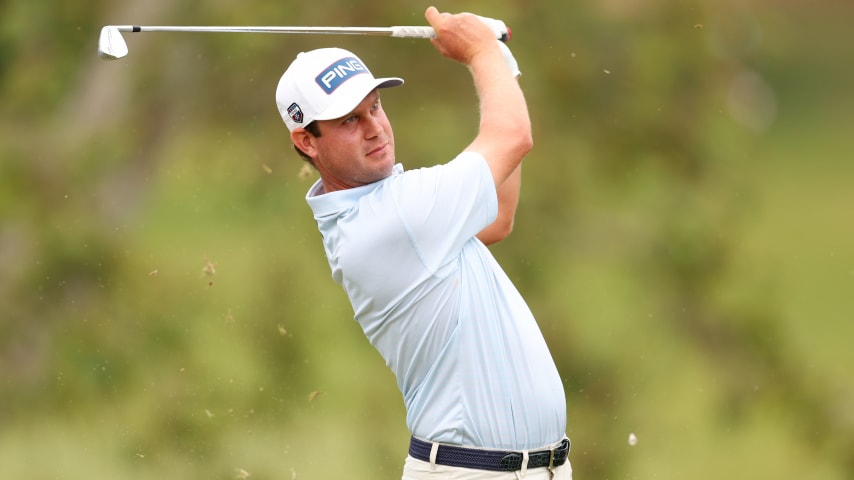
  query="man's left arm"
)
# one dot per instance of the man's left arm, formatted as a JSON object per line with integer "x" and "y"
{"x": 508, "y": 200}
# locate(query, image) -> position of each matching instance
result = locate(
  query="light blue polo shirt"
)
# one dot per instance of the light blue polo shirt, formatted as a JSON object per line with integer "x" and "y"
{"x": 469, "y": 357}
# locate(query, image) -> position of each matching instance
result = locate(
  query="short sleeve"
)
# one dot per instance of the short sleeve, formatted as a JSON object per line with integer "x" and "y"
{"x": 445, "y": 206}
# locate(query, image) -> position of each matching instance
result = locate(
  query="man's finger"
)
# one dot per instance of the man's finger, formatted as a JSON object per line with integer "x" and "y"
{"x": 432, "y": 15}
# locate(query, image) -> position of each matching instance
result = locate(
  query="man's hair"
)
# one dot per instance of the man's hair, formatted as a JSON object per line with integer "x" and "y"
{"x": 314, "y": 129}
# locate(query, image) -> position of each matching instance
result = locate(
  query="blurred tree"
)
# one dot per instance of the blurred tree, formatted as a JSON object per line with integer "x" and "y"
{"x": 166, "y": 309}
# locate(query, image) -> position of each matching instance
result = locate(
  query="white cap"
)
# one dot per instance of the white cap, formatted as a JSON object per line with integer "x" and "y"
{"x": 325, "y": 84}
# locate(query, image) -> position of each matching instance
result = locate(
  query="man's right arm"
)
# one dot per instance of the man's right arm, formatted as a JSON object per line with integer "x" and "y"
{"x": 504, "y": 136}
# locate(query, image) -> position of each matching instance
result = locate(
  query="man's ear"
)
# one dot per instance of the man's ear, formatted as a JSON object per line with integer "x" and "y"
{"x": 304, "y": 141}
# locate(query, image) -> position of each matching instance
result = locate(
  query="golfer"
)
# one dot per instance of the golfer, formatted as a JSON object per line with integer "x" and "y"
{"x": 483, "y": 396}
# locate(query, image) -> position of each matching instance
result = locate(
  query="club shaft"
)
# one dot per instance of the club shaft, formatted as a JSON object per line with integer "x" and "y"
{"x": 401, "y": 31}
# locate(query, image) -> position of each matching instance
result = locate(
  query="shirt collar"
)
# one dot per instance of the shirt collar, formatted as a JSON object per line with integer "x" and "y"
{"x": 322, "y": 203}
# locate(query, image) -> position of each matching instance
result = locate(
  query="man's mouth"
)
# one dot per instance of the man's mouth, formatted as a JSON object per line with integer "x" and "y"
{"x": 377, "y": 150}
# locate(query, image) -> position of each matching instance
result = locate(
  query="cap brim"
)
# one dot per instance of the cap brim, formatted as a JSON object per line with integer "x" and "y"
{"x": 358, "y": 93}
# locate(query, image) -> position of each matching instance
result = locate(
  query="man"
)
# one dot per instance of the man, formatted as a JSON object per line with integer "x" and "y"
{"x": 482, "y": 393}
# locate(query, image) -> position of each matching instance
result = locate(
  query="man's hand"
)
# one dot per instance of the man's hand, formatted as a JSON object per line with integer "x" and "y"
{"x": 457, "y": 39}
{"x": 460, "y": 37}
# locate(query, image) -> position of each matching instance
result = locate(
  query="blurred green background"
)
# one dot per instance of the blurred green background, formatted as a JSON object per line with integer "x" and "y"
{"x": 685, "y": 239}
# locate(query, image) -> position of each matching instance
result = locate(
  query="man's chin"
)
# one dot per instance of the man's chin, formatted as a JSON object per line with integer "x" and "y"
{"x": 386, "y": 164}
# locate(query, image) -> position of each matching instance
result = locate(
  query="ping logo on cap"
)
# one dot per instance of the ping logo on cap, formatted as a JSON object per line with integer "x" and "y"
{"x": 338, "y": 73}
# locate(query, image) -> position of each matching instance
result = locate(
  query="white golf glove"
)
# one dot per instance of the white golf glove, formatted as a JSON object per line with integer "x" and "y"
{"x": 509, "y": 59}
{"x": 501, "y": 30}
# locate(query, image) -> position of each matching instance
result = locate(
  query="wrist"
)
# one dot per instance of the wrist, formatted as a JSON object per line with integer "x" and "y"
{"x": 496, "y": 59}
{"x": 488, "y": 59}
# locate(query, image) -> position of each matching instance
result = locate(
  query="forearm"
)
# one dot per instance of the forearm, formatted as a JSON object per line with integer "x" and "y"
{"x": 504, "y": 135}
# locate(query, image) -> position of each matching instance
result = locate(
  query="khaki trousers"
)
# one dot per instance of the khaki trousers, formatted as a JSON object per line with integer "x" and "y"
{"x": 415, "y": 469}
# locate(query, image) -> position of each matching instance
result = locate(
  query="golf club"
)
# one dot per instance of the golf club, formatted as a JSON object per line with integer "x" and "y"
{"x": 112, "y": 46}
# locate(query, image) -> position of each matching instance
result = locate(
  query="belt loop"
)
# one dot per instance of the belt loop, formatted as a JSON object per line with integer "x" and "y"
{"x": 434, "y": 451}
{"x": 524, "y": 463}
{"x": 552, "y": 459}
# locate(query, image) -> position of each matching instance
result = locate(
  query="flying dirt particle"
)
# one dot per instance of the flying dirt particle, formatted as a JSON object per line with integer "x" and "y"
{"x": 229, "y": 317}
{"x": 607, "y": 72}
{"x": 242, "y": 474}
{"x": 209, "y": 413}
{"x": 304, "y": 172}
{"x": 698, "y": 26}
{"x": 266, "y": 168}
{"x": 282, "y": 330}
{"x": 152, "y": 273}
{"x": 209, "y": 269}
{"x": 633, "y": 440}
{"x": 313, "y": 395}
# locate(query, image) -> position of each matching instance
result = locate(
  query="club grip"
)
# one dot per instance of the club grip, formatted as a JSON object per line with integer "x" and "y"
{"x": 502, "y": 32}
{"x": 413, "y": 32}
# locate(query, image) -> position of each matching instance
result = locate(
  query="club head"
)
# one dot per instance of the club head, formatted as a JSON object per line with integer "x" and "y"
{"x": 111, "y": 45}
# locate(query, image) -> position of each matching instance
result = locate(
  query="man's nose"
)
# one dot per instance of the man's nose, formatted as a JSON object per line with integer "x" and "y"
{"x": 373, "y": 127}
